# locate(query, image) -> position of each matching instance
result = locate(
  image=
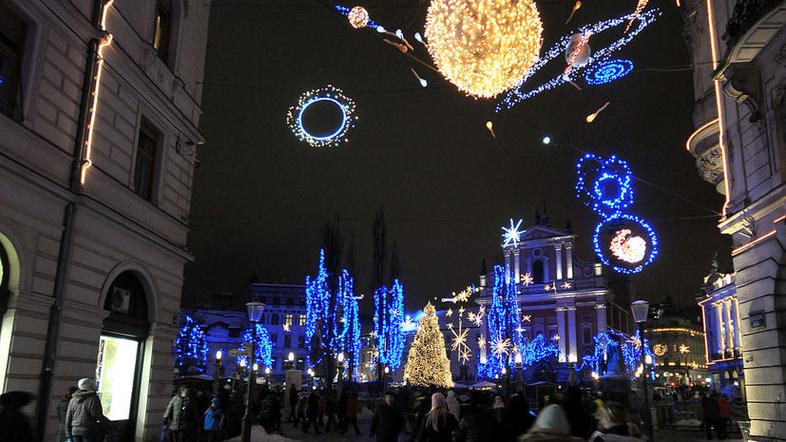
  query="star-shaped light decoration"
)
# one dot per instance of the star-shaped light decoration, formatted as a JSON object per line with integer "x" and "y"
{"x": 449, "y": 312}
{"x": 464, "y": 356}
{"x": 526, "y": 318}
{"x": 550, "y": 287}
{"x": 566, "y": 285}
{"x": 394, "y": 313}
{"x": 512, "y": 234}
{"x": 461, "y": 311}
{"x": 459, "y": 342}
{"x": 684, "y": 349}
{"x": 501, "y": 346}
{"x": 286, "y": 327}
{"x": 343, "y": 319}
{"x": 527, "y": 279}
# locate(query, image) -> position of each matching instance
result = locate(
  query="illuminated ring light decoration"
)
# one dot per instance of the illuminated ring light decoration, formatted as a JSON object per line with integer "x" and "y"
{"x": 625, "y": 242}
{"x": 519, "y": 94}
{"x": 324, "y": 94}
{"x": 606, "y": 71}
{"x": 606, "y": 186}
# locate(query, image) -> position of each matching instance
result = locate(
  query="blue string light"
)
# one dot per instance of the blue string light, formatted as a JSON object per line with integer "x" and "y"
{"x": 191, "y": 348}
{"x": 607, "y": 71}
{"x": 263, "y": 350}
{"x": 517, "y": 94}
{"x": 633, "y": 349}
{"x": 628, "y": 228}
{"x": 606, "y": 186}
{"x": 388, "y": 319}
{"x": 329, "y": 94}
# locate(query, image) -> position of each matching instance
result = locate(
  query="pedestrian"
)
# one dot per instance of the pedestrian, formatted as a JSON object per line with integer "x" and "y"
{"x": 613, "y": 425}
{"x": 724, "y": 415}
{"x": 710, "y": 413}
{"x": 62, "y": 409}
{"x": 302, "y": 406}
{"x": 214, "y": 420}
{"x": 499, "y": 408}
{"x": 476, "y": 425}
{"x": 331, "y": 408}
{"x": 453, "y": 405}
{"x": 517, "y": 418}
{"x": 439, "y": 423}
{"x": 312, "y": 412}
{"x": 14, "y": 425}
{"x": 388, "y": 420}
{"x": 293, "y": 398}
{"x": 181, "y": 416}
{"x": 351, "y": 412}
{"x": 550, "y": 426}
{"x": 85, "y": 420}
{"x": 578, "y": 417}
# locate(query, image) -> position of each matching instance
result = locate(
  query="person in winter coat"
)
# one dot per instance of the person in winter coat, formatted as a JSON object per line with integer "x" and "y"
{"x": 476, "y": 425}
{"x": 613, "y": 424}
{"x": 453, "y": 405}
{"x": 550, "y": 426}
{"x": 388, "y": 420}
{"x": 214, "y": 420}
{"x": 439, "y": 424}
{"x": 293, "y": 398}
{"x": 62, "y": 409}
{"x": 499, "y": 408}
{"x": 181, "y": 416}
{"x": 85, "y": 418}
{"x": 724, "y": 414}
{"x": 312, "y": 412}
{"x": 517, "y": 418}
{"x": 351, "y": 412}
{"x": 710, "y": 412}
{"x": 580, "y": 420}
{"x": 14, "y": 425}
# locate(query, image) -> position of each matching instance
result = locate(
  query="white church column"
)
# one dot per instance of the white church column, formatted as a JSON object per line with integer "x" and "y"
{"x": 572, "y": 348}
{"x": 560, "y": 311}
{"x": 600, "y": 310}
{"x": 507, "y": 266}
{"x": 558, "y": 250}
{"x": 517, "y": 265}
{"x": 569, "y": 263}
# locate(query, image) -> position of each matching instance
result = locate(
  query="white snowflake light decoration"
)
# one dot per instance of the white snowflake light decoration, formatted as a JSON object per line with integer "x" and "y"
{"x": 501, "y": 346}
{"x": 527, "y": 279}
{"x": 512, "y": 234}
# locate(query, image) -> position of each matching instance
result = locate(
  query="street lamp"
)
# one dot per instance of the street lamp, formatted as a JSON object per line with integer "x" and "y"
{"x": 218, "y": 372}
{"x": 254, "y": 310}
{"x": 290, "y": 362}
{"x": 572, "y": 359}
{"x": 519, "y": 382}
{"x": 340, "y": 366}
{"x": 640, "y": 310}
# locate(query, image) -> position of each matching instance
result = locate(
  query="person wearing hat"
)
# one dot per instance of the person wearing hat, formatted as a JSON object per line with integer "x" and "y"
{"x": 214, "y": 420}
{"x": 85, "y": 420}
{"x": 62, "y": 409}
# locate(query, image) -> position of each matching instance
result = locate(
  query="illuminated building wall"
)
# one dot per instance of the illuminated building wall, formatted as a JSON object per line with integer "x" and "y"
{"x": 95, "y": 209}
{"x": 678, "y": 345}
{"x": 737, "y": 48}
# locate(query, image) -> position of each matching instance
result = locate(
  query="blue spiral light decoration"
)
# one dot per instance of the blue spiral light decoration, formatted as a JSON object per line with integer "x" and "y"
{"x": 606, "y": 186}
{"x": 606, "y": 71}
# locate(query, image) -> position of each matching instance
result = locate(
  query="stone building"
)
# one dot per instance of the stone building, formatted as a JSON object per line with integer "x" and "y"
{"x": 99, "y": 114}
{"x": 739, "y": 53}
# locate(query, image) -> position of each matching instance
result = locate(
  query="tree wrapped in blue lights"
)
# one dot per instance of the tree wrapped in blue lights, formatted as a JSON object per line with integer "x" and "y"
{"x": 538, "y": 350}
{"x": 618, "y": 354}
{"x": 332, "y": 320}
{"x": 191, "y": 348}
{"x": 388, "y": 317}
{"x": 263, "y": 349}
{"x": 504, "y": 326}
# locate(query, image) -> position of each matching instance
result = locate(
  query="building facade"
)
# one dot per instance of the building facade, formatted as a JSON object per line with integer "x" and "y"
{"x": 99, "y": 114}
{"x": 721, "y": 318}
{"x": 739, "y": 53}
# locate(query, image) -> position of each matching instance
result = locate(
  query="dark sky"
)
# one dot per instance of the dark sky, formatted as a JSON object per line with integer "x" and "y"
{"x": 261, "y": 197}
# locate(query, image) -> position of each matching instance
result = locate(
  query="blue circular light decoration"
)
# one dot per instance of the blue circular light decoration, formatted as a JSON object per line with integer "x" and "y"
{"x": 606, "y": 71}
{"x": 625, "y": 242}
{"x": 329, "y": 94}
{"x": 604, "y": 185}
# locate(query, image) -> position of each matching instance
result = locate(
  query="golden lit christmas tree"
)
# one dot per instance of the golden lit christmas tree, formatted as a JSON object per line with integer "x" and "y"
{"x": 427, "y": 361}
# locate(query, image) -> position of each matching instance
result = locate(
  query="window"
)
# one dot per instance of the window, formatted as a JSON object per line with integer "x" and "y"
{"x": 301, "y": 320}
{"x": 115, "y": 375}
{"x": 274, "y": 339}
{"x": 586, "y": 333}
{"x": 163, "y": 29}
{"x": 275, "y": 300}
{"x": 287, "y": 341}
{"x": 538, "y": 271}
{"x": 144, "y": 168}
{"x": 288, "y": 319}
{"x": 290, "y": 301}
{"x": 274, "y": 319}
{"x": 12, "y": 42}
{"x": 301, "y": 341}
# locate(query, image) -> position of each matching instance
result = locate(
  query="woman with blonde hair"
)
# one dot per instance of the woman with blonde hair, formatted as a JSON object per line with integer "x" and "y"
{"x": 439, "y": 424}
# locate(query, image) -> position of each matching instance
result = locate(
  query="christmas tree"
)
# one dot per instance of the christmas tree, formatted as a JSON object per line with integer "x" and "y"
{"x": 427, "y": 361}
{"x": 191, "y": 348}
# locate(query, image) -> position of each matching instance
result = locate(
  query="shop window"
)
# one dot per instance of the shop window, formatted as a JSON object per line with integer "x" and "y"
{"x": 115, "y": 371}
{"x": 145, "y": 163}
{"x": 12, "y": 43}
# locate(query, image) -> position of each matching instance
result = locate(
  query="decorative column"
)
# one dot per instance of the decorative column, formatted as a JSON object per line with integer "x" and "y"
{"x": 721, "y": 328}
{"x": 569, "y": 263}
{"x": 600, "y": 311}
{"x": 560, "y": 311}
{"x": 517, "y": 265}
{"x": 507, "y": 266}
{"x": 558, "y": 250}
{"x": 731, "y": 327}
{"x": 572, "y": 348}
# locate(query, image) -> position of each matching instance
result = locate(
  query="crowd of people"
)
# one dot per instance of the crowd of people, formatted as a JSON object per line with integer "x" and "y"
{"x": 412, "y": 415}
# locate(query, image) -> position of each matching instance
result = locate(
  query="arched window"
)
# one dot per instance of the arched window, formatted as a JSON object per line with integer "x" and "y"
{"x": 538, "y": 271}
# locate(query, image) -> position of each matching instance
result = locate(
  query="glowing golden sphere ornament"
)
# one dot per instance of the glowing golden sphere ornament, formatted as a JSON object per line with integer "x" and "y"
{"x": 358, "y": 17}
{"x": 484, "y": 46}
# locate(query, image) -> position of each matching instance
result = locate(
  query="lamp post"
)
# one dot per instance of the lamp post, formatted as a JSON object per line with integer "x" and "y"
{"x": 218, "y": 371}
{"x": 290, "y": 362}
{"x": 572, "y": 359}
{"x": 340, "y": 374}
{"x": 640, "y": 311}
{"x": 385, "y": 372}
{"x": 519, "y": 380}
{"x": 254, "y": 315}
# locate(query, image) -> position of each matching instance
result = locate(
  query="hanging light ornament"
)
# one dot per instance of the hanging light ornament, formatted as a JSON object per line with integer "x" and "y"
{"x": 484, "y": 47}
{"x": 358, "y": 17}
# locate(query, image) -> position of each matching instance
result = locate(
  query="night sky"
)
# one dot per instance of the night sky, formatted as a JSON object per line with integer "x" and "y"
{"x": 261, "y": 197}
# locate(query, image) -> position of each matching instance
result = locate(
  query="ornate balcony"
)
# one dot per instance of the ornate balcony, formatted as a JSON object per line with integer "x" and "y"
{"x": 703, "y": 145}
{"x": 752, "y": 25}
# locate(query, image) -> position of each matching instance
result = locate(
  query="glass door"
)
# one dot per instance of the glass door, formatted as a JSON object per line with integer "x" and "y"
{"x": 116, "y": 372}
